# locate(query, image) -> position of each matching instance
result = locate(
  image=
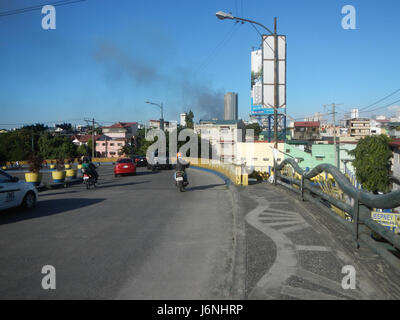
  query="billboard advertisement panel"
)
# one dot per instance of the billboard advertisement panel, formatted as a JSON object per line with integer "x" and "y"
{"x": 268, "y": 54}
{"x": 256, "y": 78}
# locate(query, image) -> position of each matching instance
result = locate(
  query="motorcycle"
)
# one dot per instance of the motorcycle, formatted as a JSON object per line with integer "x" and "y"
{"x": 88, "y": 179}
{"x": 180, "y": 181}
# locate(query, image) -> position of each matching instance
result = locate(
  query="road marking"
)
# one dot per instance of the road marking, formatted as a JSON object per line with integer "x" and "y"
{"x": 312, "y": 248}
{"x": 294, "y": 228}
{"x": 273, "y": 283}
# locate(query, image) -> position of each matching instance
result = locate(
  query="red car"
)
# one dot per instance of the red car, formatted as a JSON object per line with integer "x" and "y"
{"x": 124, "y": 166}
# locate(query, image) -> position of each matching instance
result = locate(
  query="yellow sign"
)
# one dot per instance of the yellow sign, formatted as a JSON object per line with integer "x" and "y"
{"x": 388, "y": 220}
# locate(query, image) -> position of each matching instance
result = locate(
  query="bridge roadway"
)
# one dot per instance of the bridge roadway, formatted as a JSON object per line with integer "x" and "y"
{"x": 139, "y": 238}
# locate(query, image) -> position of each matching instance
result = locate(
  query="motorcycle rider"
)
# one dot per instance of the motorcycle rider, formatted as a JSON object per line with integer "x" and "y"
{"x": 90, "y": 168}
{"x": 181, "y": 165}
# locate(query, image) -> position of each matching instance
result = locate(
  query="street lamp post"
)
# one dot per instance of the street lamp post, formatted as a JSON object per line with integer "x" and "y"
{"x": 222, "y": 16}
{"x": 162, "y": 113}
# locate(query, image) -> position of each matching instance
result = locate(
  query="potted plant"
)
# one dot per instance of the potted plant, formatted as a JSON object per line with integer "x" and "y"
{"x": 67, "y": 164}
{"x": 35, "y": 163}
{"x": 59, "y": 174}
{"x": 70, "y": 173}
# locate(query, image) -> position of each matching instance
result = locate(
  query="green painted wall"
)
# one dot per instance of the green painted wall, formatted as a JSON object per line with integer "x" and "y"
{"x": 325, "y": 151}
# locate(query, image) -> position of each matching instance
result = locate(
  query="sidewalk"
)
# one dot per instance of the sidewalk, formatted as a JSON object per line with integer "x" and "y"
{"x": 296, "y": 251}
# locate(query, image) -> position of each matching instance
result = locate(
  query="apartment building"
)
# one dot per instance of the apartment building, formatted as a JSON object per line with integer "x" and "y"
{"x": 168, "y": 125}
{"x": 359, "y": 128}
{"x": 306, "y": 130}
{"x": 223, "y": 136}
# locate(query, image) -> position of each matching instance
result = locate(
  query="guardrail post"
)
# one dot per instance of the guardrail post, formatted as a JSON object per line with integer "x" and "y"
{"x": 356, "y": 219}
{"x": 302, "y": 188}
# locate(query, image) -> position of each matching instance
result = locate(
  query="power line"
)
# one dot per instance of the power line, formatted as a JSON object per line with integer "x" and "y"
{"x": 386, "y": 106}
{"x": 38, "y": 7}
{"x": 388, "y": 96}
{"x": 214, "y": 51}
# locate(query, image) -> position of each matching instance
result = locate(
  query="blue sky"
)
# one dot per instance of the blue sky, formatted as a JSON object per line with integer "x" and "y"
{"x": 106, "y": 58}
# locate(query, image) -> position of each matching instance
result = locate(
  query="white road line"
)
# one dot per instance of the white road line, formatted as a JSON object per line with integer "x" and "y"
{"x": 311, "y": 248}
{"x": 294, "y": 228}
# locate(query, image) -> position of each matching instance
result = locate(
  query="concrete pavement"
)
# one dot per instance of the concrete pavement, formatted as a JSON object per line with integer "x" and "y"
{"x": 131, "y": 238}
{"x": 296, "y": 251}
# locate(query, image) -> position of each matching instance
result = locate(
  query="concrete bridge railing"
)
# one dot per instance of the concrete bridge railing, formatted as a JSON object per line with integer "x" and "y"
{"x": 235, "y": 172}
{"x": 359, "y": 207}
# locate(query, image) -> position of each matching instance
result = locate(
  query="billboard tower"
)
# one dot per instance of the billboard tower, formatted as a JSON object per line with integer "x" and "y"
{"x": 268, "y": 85}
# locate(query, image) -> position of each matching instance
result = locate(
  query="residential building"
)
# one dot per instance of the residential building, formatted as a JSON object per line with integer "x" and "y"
{"x": 318, "y": 117}
{"x": 168, "y": 125}
{"x": 359, "y": 128}
{"x": 310, "y": 155}
{"x": 110, "y": 147}
{"x": 259, "y": 155}
{"x": 83, "y": 139}
{"x": 182, "y": 119}
{"x": 223, "y": 136}
{"x": 306, "y": 130}
{"x": 393, "y": 130}
{"x": 125, "y": 130}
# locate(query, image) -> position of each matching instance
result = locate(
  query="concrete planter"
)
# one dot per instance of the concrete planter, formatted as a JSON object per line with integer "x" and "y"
{"x": 71, "y": 173}
{"x": 58, "y": 176}
{"x": 79, "y": 166}
{"x": 67, "y": 166}
{"x": 52, "y": 166}
{"x": 33, "y": 178}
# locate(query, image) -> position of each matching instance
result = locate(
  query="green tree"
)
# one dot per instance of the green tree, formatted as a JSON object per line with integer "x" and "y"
{"x": 372, "y": 163}
{"x": 256, "y": 127}
{"x": 189, "y": 120}
{"x": 82, "y": 150}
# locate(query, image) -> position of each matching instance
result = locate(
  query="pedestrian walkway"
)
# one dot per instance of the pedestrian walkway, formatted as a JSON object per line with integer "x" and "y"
{"x": 295, "y": 251}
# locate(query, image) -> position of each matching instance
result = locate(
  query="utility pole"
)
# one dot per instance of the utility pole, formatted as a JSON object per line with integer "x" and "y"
{"x": 93, "y": 143}
{"x": 333, "y": 105}
{"x": 276, "y": 95}
{"x": 93, "y": 135}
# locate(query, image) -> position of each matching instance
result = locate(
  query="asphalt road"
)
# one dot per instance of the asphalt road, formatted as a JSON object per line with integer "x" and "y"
{"x": 132, "y": 237}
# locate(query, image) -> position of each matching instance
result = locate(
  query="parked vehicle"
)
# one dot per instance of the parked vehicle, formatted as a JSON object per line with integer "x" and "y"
{"x": 15, "y": 193}
{"x": 140, "y": 161}
{"x": 180, "y": 180}
{"x": 88, "y": 179}
{"x": 124, "y": 166}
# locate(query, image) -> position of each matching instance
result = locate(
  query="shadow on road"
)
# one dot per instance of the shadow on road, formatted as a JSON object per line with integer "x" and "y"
{"x": 144, "y": 173}
{"x": 55, "y": 193}
{"x": 112, "y": 184}
{"x": 46, "y": 208}
{"x": 208, "y": 186}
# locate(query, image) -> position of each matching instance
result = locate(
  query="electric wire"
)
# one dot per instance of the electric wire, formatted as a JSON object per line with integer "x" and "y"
{"x": 38, "y": 7}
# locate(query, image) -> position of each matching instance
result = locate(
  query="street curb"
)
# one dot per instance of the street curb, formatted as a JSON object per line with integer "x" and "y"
{"x": 238, "y": 271}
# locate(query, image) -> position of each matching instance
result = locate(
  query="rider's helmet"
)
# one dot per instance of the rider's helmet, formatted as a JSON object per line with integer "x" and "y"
{"x": 179, "y": 155}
